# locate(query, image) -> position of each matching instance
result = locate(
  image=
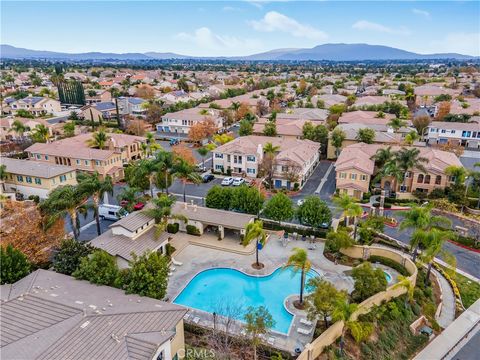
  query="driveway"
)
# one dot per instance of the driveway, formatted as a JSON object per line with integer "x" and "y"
{"x": 314, "y": 185}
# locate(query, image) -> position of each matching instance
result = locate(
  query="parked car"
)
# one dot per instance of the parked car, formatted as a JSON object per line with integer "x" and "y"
{"x": 300, "y": 202}
{"x": 200, "y": 168}
{"x": 207, "y": 178}
{"x": 238, "y": 181}
{"x": 227, "y": 181}
{"x": 138, "y": 206}
{"x": 111, "y": 212}
{"x": 174, "y": 142}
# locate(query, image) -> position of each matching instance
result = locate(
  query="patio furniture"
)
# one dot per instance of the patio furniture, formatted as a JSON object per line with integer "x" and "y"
{"x": 271, "y": 340}
{"x": 196, "y": 319}
{"x": 170, "y": 273}
{"x": 306, "y": 322}
{"x": 173, "y": 268}
{"x": 304, "y": 331}
{"x": 176, "y": 263}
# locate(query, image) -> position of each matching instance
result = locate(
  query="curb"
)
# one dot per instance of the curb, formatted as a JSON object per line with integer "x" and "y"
{"x": 464, "y": 246}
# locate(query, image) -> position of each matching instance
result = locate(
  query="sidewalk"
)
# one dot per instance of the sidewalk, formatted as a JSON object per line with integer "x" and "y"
{"x": 447, "y": 314}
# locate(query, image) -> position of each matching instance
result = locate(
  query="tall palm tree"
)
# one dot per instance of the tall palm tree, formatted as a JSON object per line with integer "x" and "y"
{"x": 62, "y": 201}
{"x": 420, "y": 219}
{"x": 186, "y": 173}
{"x": 409, "y": 159}
{"x": 92, "y": 185}
{"x": 433, "y": 241}
{"x": 41, "y": 133}
{"x": 270, "y": 151}
{"x": 149, "y": 168}
{"x": 254, "y": 231}
{"x": 165, "y": 162}
{"x": 350, "y": 208}
{"x": 99, "y": 139}
{"x": 396, "y": 124}
{"x": 299, "y": 261}
{"x": 383, "y": 156}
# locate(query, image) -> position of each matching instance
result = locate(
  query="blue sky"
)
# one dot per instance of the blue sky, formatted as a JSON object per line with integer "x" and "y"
{"x": 230, "y": 28}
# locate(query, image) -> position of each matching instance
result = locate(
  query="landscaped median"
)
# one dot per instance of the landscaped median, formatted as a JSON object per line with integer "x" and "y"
{"x": 316, "y": 347}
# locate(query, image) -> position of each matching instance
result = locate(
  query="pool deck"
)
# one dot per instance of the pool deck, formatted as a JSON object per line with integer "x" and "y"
{"x": 206, "y": 252}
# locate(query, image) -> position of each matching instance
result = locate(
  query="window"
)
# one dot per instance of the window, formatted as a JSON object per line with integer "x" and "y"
{"x": 250, "y": 171}
{"x": 250, "y": 158}
{"x": 39, "y": 156}
{"x": 46, "y": 157}
{"x": 353, "y": 176}
{"x": 284, "y": 168}
{"x": 38, "y": 181}
{"x": 444, "y": 131}
{"x": 452, "y": 132}
{"x": 63, "y": 178}
{"x": 28, "y": 179}
{"x": 420, "y": 178}
{"x": 438, "y": 180}
{"x": 86, "y": 162}
{"x": 408, "y": 174}
{"x": 97, "y": 162}
{"x": 427, "y": 179}
{"x": 363, "y": 177}
{"x": 343, "y": 175}
{"x": 219, "y": 167}
{"x": 218, "y": 156}
{"x": 20, "y": 178}
{"x": 78, "y": 162}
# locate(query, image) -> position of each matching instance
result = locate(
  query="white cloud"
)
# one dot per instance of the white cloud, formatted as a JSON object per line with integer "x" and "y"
{"x": 274, "y": 21}
{"x": 205, "y": 39}
{"x": 371, "y": 26}
{"x": 420, "y": 12}
{"x": 462, "y": 43}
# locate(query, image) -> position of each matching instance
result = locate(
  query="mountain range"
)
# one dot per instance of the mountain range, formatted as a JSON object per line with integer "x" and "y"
{"x": 329, "y": 52}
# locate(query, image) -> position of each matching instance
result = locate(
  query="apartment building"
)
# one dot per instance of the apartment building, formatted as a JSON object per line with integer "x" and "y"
{"x": 294, "y": 161}
{"x": 180, "y": 121}
{"x": 455, "y": 133}
{"x": 355, "y": 169}
{"x": 33, "y": 178}
{"x": 75, "y": 152}
{"x": 48, "y": 315}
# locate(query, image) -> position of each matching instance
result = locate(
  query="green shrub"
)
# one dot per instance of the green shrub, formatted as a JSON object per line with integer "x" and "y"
{"x": 193, "y": 230}
{"x": 35, "y": 198}
{"x": 173, "y": 228}
{"x": 170, "y": 249}
{"x": 390, "y": 263}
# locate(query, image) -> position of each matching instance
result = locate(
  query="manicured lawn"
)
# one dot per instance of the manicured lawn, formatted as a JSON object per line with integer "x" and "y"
{"x": 469, "y": 290}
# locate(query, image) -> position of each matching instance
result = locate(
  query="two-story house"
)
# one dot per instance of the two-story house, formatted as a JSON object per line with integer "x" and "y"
{"x": 180, "y": 121}
{"x": 294, "y": 161}
{"x": 133, "y": 106}
{"x": 36, "y": 105}
{"x": 75, "y": 152}
{"x": 455, "y": 133}
{"x": 355, "y": 168}
{"x": 29, "y": 177}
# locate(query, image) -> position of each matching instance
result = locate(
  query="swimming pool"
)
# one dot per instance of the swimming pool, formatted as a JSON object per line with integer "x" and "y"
{"x": 388, "y": 277}
{"x": 219, "y": 290}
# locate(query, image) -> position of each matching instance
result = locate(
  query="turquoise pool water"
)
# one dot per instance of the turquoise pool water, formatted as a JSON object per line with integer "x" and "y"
{"x": 388, "y": 277}
{"x": 216, "y": 290}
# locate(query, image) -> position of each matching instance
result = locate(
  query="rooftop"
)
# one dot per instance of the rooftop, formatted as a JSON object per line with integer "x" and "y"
{"x": 34, "y": 168}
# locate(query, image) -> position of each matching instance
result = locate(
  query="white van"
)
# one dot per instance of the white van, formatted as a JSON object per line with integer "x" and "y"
{"x": 111, "y": 212}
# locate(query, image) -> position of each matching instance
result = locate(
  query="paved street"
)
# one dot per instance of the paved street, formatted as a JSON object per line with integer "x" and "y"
{"x": 467, "y": 261}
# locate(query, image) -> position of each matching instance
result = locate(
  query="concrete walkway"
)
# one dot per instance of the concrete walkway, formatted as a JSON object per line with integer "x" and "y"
{"x": 447, "y": 314}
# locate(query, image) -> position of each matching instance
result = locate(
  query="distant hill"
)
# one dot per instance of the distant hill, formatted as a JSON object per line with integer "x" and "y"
{"x": 331, "y": 52}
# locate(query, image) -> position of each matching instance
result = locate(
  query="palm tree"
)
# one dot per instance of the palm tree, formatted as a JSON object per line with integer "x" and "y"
{"x": 203, "y": 151}
{"x": 3, "y": 176}
{"x": 186, "y": 173}
{"x": 405, "y": 282}
{"x": 458, "y": 173}
{"x": 128, "y": 194}
{"x": 165, "y": 161}
{"x": 270, "y": 151}
{"x": 420, "y": 219}
{"x": 411, "y": 137}
{"x": 19, "y": 128}
{"x": 383, "y": 156}
{"x": 396, "y": 124}
{"x": 161, "y": 212}
{"x": 41, "y": 133}
{"x": 62, "y": 201}
{"x": 149, "y": 169}
{"x": 92, "y": 185}
{"x": 433, "y": 241}
{"x": 350, "y": 209}
{"x": 254, "y": 231}
{"x": 409, "y": 159}
{"x": 299, "y": 262}
{"x": 235, "y": 106}
{"x": 98, "y": 140}
{"x": 343, "y": 311}
{"x": 390, "y": 170}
